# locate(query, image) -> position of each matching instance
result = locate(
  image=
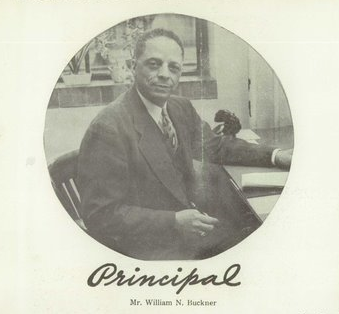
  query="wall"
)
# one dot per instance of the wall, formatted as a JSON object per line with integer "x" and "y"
{"x": 233, "y": 62}
{"x": 229, "y": 65}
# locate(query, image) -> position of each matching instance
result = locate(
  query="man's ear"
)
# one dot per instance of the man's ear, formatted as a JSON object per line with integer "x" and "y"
{"x": 133, "y": 65}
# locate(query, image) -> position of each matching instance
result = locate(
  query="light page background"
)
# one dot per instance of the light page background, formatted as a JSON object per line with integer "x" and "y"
{"x": 290, "y": 265}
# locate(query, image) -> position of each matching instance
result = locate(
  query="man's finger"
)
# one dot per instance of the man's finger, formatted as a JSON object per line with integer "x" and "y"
{"x": 203, "y": 227}
{"x": 208, "y": 219}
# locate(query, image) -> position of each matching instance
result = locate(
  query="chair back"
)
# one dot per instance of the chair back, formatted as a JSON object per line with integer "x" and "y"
{"x": 63, "y": 172}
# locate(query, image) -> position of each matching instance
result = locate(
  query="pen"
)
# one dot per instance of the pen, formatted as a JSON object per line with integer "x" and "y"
{"x": 195, "y": 207}
{"x": 202, "y": 233}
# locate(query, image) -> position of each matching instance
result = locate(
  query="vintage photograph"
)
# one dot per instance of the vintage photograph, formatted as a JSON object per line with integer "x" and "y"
{"x": 168, "y": 137}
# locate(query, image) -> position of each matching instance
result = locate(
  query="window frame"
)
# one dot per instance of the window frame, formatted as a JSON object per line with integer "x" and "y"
{"x": 202, "y": 65}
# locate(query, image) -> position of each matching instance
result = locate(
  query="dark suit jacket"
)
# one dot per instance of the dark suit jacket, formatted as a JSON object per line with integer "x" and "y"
{"x": 130, "y": 186}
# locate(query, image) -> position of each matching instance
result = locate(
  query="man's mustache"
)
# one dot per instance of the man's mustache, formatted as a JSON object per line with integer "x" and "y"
{"x": 162, "y": 85}
{"x": 159, "y": 83}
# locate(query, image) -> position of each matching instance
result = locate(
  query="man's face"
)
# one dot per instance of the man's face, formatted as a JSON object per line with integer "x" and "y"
{"x": 158, "y": 69}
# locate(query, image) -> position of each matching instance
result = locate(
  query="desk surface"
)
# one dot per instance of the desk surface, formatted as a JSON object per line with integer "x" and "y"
{"x": 263, "y": 204}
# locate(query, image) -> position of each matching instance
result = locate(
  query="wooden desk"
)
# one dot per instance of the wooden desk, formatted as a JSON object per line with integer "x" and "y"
{"x": 262, "y": 204}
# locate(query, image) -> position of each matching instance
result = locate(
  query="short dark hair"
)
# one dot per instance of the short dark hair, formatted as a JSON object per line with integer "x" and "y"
{"x": 154, "y": 33}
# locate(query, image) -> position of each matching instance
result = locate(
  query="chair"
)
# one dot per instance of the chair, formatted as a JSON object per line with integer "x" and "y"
{"x": 63, "y": 172}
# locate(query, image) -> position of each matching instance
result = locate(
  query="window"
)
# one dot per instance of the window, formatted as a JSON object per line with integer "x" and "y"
{"x": 109, "y": 55}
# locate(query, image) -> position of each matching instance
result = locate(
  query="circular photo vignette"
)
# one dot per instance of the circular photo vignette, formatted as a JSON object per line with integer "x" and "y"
{"x": 168, "y": 138}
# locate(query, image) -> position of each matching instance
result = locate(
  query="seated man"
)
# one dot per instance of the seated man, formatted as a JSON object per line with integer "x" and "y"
{"x": 135, "y": 171}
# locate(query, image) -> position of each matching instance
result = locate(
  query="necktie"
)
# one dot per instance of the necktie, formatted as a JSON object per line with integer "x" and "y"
{"x": 168, "y": 129}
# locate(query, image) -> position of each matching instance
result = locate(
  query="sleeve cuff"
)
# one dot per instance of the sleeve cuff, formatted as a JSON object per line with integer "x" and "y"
{"x": 274, "y": 154}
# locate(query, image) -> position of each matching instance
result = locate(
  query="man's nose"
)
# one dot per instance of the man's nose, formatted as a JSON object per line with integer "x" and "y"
{"x": 164, "y": 71}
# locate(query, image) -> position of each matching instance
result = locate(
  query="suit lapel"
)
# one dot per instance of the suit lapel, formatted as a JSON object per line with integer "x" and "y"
{"x": 153, "y": 147}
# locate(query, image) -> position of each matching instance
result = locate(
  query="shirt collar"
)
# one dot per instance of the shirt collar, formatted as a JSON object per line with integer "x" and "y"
{"x": 153, "y": 110}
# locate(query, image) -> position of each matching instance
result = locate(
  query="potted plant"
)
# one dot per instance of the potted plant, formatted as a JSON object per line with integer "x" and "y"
{"x": 111, "y": 53}
{"x": 76, "y": 77}
{"x": 116, "y": 51}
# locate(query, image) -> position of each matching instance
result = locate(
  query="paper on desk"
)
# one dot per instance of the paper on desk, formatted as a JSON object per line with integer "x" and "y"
{"x": 247, "y": 134}
{"x": 264, "y": 204}
{"x": 252, "y": 141}
{"x": 264, "y": 179}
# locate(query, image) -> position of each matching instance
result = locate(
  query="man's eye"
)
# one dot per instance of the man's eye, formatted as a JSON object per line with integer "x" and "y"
{"x": 174, "y": 68}
{"x": 153, "y": 64}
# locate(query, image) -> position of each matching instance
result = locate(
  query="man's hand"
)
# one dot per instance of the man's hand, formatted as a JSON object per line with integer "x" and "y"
{"x": 192, "y": 222}
{"x": 283, "y": 158}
